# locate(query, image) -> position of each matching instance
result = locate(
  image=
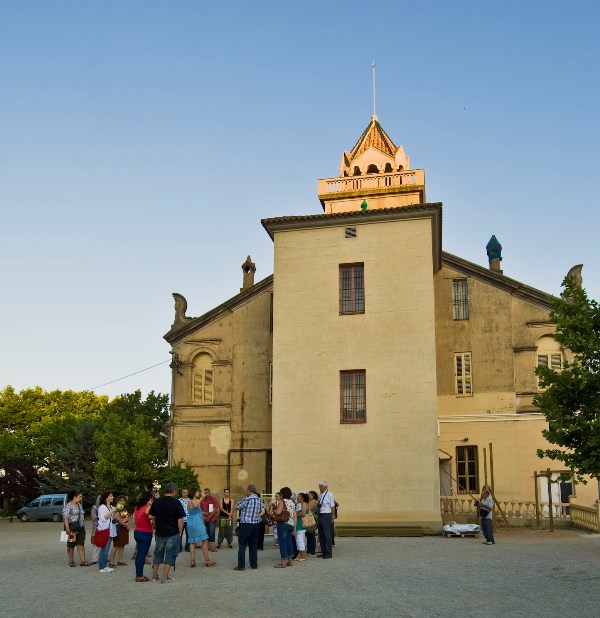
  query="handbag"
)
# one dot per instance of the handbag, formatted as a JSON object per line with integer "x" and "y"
{"x": 308, "y": 522}
{"x": 101, "y": 537}
{"x": 282, "y": 517}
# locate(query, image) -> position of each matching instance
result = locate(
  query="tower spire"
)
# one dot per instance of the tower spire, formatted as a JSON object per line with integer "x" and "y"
{"x": 374, "y": 117}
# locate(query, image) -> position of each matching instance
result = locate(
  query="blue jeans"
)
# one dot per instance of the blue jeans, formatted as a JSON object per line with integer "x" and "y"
{"x": 166, "y": 549}
{"x": 210, "y": 530}
{"x": 486, "y": 528}
{"x": 248, "y": 537}
{"x": 103, "y": 556}
{"x": 286, "y": 545}
{"x": 143, "y": 541}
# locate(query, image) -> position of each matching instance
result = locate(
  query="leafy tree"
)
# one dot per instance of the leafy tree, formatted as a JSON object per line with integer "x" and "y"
{"x": 183, "y": 477}
{"x": 18, "y": 482}
{"x": 571, "y": 401}
{"x": 71, "y": 462}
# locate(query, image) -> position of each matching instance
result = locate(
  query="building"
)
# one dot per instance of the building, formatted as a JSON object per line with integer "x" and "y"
{"x": 371, "y": 358}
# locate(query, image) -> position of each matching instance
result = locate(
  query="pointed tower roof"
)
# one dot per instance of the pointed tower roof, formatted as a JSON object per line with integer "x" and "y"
{"x": 375, "y": 136}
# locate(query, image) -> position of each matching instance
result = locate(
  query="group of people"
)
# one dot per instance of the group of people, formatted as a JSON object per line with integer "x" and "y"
{"x": 295, "y": 519}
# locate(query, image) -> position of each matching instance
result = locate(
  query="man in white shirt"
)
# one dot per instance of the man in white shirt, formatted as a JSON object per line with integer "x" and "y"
{"x": 326, "y": 512}
{"x": 184, "y": 503}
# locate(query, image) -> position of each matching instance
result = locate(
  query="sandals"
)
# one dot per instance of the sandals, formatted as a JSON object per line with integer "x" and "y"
{"x": 121, "y": 564}
{"x": 112, "y": 565}
{"x": 193, "y": 564}
{"x": 71, "y": 564}
{"x": 85, "y": 563}
{"x": 142, "y": 579}
{"x": 209, "y": 563}
{"x": 279, "y": 566}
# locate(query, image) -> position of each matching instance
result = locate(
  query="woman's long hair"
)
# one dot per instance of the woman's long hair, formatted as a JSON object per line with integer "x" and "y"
{"x": 143, "y": 499}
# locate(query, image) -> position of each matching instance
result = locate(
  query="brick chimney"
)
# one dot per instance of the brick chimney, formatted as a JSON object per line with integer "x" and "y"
{"x": 494, "y": 252}
{"x": 248, "y": 268}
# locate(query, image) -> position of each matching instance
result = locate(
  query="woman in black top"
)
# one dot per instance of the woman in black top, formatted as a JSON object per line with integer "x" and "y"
{"x": 225, "y": 523}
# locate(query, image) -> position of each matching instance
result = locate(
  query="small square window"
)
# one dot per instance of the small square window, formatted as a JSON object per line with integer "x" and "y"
{"x": 350, "y": 232}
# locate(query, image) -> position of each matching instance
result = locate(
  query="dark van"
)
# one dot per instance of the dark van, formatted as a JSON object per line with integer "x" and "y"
{"x": 48, "y": 506}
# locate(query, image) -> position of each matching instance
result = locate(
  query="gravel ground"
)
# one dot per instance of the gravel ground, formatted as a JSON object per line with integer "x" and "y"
{"x": 527, "y": 573}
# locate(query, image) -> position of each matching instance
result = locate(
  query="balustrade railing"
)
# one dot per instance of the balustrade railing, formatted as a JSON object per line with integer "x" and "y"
{"x": 587, "y": 517}
{"x": 374, "y": 181}
{"x": 518, "y": 509}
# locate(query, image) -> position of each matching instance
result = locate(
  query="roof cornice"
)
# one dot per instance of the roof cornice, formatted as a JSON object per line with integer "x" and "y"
{"x": 176, "y": 334}
{"x": 512, "y": 286}
{"x": 377, "y": 215}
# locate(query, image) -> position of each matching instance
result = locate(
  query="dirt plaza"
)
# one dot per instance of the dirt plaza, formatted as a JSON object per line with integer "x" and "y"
{"x": 527, "y": 573}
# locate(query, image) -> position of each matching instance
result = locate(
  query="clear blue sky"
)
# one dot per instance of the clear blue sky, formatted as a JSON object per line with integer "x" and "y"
{"x": 142, "y": 142}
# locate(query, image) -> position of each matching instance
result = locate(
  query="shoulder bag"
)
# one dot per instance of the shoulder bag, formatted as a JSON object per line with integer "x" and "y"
{"x": 282, "y": 517}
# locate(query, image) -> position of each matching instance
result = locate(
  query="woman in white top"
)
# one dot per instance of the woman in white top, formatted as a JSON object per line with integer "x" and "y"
{"x": 286, "y": 529}
{"x": 105, "y": 514}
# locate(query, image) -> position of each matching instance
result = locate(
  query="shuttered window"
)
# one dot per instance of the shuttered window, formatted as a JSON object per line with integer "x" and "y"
{"x": 463, "y": 375}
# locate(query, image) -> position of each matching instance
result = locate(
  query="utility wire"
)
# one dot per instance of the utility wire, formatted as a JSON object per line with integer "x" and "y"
{"x": 129, "y": 375}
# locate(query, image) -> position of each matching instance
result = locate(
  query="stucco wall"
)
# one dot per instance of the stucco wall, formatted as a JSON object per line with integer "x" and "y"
{"x": 391, "y": 460}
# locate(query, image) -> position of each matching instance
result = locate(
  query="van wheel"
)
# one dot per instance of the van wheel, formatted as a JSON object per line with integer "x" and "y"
{"x": 23, "y": 517}
{"x": 55, "y": 517}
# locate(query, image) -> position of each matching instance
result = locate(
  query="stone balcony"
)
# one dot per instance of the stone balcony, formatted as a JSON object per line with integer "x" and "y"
{"x": 381, "y": 190}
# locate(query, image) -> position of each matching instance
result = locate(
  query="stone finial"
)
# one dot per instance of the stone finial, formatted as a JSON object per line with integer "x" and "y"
{"x": 180, "y": 309}
{"x": 494, "y": 252}
{"x": 248, "y": 268}
{"x": 575, "y": 274}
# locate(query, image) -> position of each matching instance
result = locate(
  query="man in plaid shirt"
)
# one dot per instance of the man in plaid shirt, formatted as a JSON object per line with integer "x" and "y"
{"x": 250, "y": 510}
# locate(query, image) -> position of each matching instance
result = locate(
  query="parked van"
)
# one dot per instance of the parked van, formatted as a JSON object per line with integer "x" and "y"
{"x": 48, "y": 506}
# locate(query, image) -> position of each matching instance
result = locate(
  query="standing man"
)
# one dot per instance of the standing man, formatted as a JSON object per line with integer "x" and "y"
{"x": 210, "y": 509}
{"x": 184, "y": 503}
{"x": 326, "y": 513}
{"x": 485, "y": 506}
{"x": 167, "y": 514}
{"x": 250, "y": 511}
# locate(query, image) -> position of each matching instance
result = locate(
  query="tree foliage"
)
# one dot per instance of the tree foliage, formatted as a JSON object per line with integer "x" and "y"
{"x": 61, "y": 440}
{"x": 571, "y": 401}
{"x": 183, "y": 477}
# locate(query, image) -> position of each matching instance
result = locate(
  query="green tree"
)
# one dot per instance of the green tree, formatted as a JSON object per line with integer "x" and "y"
{"x": 183, "y": 477}
{"x": 571, "y": 401}
{"x": 71, "y": 462}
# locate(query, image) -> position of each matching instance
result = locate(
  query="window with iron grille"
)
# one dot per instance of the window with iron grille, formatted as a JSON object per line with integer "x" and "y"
{"x": 467, "y": 469}
{"x": 353, "y": 396}
{"x": 460, "y": 299}
{"x": 554, "y": 361}
{"x": 352, "y": 289}
{"x": 463, "y": 376}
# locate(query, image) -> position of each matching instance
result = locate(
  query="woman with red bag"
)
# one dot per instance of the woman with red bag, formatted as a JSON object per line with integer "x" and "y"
{"x": 102, "y": 536}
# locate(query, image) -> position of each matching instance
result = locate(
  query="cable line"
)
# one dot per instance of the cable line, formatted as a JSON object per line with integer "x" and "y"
{"x": 131, "y": 374}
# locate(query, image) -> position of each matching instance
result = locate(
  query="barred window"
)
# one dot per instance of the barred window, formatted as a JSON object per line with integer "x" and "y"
{"x": 467, "y": 469}
{"x": 554, "y": 361}
{"x": 460, "y": 299}
{"x": 352, "y": 288}
{"x": 463, "y": 376}
{"x": 203, "y": 380}
{"x": 353, "y": 396}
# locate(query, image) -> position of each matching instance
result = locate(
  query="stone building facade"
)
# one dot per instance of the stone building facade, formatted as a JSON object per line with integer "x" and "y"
{"x": 371, "y": 358}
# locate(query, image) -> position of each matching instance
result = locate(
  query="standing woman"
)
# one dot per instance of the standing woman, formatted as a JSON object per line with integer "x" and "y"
{"x": 105, "y": 515}
{"x": 197, "y": 534}
{"x": 142, "y": 534}
{"x": 311, "y": 537}
{"x": 73, "y": 518}
{"x": 300, "y": 530}
{"x": 285, "y": 529}
{"x": 225, "y": 521}
{"x": 121, "y": 518}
